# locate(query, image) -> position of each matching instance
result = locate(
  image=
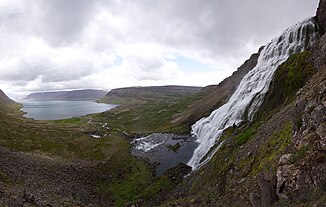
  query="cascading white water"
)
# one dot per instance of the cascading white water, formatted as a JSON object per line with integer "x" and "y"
{"x": 251, "y": 91}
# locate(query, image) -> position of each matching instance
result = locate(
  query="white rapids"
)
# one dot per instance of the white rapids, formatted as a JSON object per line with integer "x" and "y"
{"x": 251, "y": 91}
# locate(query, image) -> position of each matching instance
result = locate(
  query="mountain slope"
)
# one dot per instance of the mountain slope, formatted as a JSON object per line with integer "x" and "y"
{"x": 8, "y": 106}
{"x": 4, "y": 99}
{"x": 144, "y": 94}
{"x": 145, "y": 110}
{"x": 76, "y": 95}
{"x": 280, "y": 158}
{"x": 58, "y": 163}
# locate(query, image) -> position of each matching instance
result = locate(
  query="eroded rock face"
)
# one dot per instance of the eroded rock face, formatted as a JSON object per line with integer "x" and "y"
{"x": 305, "y": 170}
{"x": 287, "y": 176}
{"x": 321, "y": 15}
{"x": 267, "y": 184}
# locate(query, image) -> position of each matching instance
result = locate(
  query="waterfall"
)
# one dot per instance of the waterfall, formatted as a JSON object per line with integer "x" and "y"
{"x": 251, "y": 91}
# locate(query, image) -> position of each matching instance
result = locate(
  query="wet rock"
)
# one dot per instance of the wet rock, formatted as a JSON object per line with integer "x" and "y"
{"x": 287, "y": 177}
{"x": 318, "y": 115}
{"x": 242, "y": 180}
{"x": 175, "y": 147}
{"x": 254, "y": 200}
{"x": 306, "y": 139}
{"x": 178, "y": 172}
{"x": 18, "y": 202}
{"x": 268, "y": 189}
{"x": 29, "y": 198}
{"x": 284, "y": 159}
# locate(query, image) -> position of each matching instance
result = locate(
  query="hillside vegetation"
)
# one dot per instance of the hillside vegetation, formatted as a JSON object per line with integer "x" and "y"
{"x": 279, "y": 159}
{"x": 59, "y": 163}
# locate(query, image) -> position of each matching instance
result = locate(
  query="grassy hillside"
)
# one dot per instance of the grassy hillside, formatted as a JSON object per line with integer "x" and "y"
{"x": 142, "y": 95}
{"x": 154, "y": 116}
{"x": 145, "y": 110}
{"x": 112, "y": 175}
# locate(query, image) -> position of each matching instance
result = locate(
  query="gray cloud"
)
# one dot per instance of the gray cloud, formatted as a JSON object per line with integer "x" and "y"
{"x": 74, "y": 43}
{"x": 62, "y": 21}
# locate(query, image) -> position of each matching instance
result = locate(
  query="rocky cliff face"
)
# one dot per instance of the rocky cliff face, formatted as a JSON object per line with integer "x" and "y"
{"x": 303, "y": 170}
{"x": 321, "y": 15}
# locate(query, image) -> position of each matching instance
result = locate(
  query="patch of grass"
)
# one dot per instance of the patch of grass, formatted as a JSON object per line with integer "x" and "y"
{"x": 148, "y": 117}
{"x": 276, "y": 144}
{"x": 299, "y": 154}
{"x": 66, "y": 139}
{"x": 74, "y": 120}
{"x": 129, "y": 177}
{"x": 5, "y": 178}
{"x": 132, "y": 184}
{"x": 288, "y": 79}
{"x": 246, "y": 135}
{"x": 160, "y": 185}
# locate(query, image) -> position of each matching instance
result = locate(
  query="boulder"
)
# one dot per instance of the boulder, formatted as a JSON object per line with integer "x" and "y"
{"x": 268, "y": 189}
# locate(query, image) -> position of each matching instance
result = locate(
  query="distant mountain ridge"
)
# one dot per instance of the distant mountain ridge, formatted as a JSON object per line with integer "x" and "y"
{"x": 125, "y": 95}
{"x": 75, "y": 95}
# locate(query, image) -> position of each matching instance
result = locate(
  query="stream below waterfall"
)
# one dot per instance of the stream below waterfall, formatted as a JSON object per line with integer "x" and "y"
{"x": 164, "y": 151}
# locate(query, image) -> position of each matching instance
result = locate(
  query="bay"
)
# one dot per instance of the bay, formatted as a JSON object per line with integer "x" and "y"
{"x": 55, "y": 110}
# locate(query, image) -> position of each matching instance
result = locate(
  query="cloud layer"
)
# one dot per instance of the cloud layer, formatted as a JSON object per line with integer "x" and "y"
{"x": 60, "y": 44}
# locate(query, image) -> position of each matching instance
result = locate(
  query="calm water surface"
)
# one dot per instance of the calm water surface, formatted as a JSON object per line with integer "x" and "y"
{"x": 53, "y": 110}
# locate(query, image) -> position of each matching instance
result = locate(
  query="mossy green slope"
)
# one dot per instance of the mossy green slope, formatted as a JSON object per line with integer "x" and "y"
{"x": 288, "y": 79}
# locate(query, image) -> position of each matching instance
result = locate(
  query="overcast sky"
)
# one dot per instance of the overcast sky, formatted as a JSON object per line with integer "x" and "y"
{"x": 71, "y": 44}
